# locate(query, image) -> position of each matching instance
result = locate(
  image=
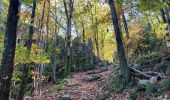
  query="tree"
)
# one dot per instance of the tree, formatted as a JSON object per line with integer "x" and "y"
{"x": 26, "y": 66}
{"x": 6, "y": 68}
{"x": 125, "y": 26}
{"x": 167, "y": 19}
{"x": 120, "y": 48}
{"x": 163, "y": 15}
{"x": 68, "y": 39}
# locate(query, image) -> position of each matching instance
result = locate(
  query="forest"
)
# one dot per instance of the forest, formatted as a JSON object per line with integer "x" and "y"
{"x": 84, "y": 50}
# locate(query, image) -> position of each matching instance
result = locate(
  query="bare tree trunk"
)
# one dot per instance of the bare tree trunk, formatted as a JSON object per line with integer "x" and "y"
{"x": 7, "y": 64}
{"x": 125, "y": 71}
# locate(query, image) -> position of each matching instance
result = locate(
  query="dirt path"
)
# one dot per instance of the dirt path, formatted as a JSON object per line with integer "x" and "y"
{"x": 81, "y": 86}
{"x": 85, "y": 86}
{"x": 90, "y": 85}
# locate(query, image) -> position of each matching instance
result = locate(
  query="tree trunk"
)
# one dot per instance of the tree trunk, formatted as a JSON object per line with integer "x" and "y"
{"x": 125, "y": 26}
{"x": 68, "y": 39}
{"x": 84, "y": 41}
{"x": 47, "y": 26}
{"x": 83, "y": 37}
{"x": 102, "y": 44}
{"x": 125, "y": 71}
{"x": 26, "y": 66}
{"x": 7, "y": 64}
{"x": 163, "y": 15}
{"x": 167, "y": 19}
{"x": 21, "y": 92}
{"x": 42, "y": 46}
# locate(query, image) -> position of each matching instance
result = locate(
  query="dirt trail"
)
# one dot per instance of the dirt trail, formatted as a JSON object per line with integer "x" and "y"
{"x": 90, "y": 85}
{"x": 81, "y": 86}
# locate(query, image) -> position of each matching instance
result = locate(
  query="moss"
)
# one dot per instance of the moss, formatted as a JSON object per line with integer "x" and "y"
{"x": 118, "y": 83}
{"x": 150, "y": 88}
{"x": 163, "y": 86}
{"x": 58, "y": 87}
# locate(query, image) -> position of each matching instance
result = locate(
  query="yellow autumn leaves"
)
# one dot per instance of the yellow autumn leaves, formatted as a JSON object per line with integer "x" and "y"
{"x": 36, "y": 55}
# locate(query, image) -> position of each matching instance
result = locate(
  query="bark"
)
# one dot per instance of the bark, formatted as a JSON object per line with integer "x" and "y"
{"x": 47, "y": 26}
{"x": 7, "y": 64}
{"x": 95, "y": 30}
{"x": 96, "y": 36}
{"x": 42, "y": 46}
{"x": 83, "y": 37}
{"x": 84, "y": 55}
{"x": 167, "y": 19}
{"x": 125, "y": 26}
{"x": 26, "y": 66}
{"x": 96, "y": 40}
{"x": 21, "y": 91}
{"x": 125, "y": 71}
{"x": 163, "y": 15}
{"x": 41, "y": 25}
{"x": 68, "y": 38}
{"x": 53, "y": 56}
{"x": 56, "y": 18}
{"x": 103, "y": 44}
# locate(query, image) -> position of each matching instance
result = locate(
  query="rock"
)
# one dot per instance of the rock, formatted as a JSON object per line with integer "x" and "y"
{"x": 66, "y": 97}
{"x": 143, "y": 82}
{"x": 166, "y": 97}
{"x": 153, "y": 80}
{"x": 91, "y": 78}
{"x": 110, "y": 68}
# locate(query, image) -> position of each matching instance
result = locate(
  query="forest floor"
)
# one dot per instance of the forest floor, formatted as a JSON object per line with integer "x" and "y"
{"x": 90, "y": 85}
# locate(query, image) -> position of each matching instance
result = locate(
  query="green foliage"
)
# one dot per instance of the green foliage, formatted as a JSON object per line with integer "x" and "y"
{"x": 118, "y": 83}
{"x": 1, "y": 36}
{"x": 163, "y": 86}
{"x": 58, "y": 87}
{"x": 150, "y": 5}
{"x": 150, "y": 88}
{"x": 1, "y": 50}
{"x": 148, "y": 42}
{"x": 62, "y": 85}
{"x": 22, "y": 56}
{"x": 134, "y": 96}
{"x": 27, "y": 2}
